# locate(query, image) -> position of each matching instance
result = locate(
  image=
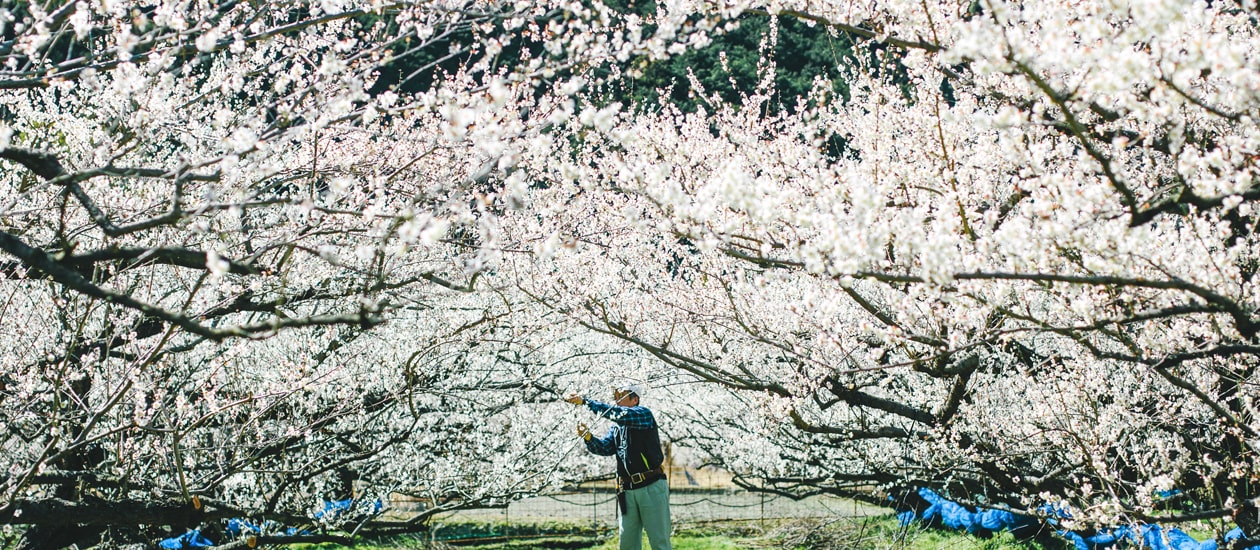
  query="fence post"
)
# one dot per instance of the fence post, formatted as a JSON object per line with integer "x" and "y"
{"x": 763, "y": 511}
{"x": 669, "y": 464}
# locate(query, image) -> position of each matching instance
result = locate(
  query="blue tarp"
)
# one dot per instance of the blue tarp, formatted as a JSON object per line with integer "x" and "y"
{"x": 1149, "y": 536}
{"x": 238, "y": 527}
{"x": 952, "y": 515}
{"x": 334, "y": 508}
{"x": 191, "y": 539}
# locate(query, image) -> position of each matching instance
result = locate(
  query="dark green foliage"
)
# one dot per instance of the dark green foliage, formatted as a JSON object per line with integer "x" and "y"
{"x": 947, "y": 91}
{"x": 415, "y": 69}
{"x": 416, "y": 65}
{"x": 802, "y": 53}
{"x": 638, "y": 7}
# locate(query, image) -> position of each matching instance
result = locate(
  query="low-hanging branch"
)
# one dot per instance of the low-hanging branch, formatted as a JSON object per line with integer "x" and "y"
{"x": 73, "y": 280}
{"x": 55, "y": 511}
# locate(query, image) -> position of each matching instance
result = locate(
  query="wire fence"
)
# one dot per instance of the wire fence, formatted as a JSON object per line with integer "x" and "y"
{"x": 696, "y": 498}
{"x": 599, "y": 507}
{"x": 593, "y": 515}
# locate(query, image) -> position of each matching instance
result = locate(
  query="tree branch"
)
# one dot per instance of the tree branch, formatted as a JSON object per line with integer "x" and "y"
{"x": 44, "y": 164}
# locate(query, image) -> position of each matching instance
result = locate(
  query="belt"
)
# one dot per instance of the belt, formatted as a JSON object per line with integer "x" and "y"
{"x": 633, "y": 481}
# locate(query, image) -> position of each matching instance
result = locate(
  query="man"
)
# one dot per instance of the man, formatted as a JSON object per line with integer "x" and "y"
{"x": 642, "y": 492}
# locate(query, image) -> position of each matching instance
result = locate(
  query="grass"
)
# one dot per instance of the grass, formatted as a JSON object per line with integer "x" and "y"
{"x": 885, "y": 532}
{"x": 875, "y": 532}
{"x": 684, "y": 542}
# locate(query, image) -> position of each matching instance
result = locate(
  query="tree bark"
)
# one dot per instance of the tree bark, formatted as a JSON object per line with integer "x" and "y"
{"x": 61, "y": 512}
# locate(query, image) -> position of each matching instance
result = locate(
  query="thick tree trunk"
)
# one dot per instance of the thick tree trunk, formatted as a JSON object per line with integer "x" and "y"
{"x": 53, "y": 538}
{"x": 55, "y": 512}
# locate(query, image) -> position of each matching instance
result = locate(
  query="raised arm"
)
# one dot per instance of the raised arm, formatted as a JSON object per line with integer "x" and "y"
{"x": 602, "y": 445}
{"x": 631, "y": 417}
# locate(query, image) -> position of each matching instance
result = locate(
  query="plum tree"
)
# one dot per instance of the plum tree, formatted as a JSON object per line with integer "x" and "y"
{"x": 1028, "y": 275}
{"x": 262, "y": 254}
{"x": 243, "y": 253}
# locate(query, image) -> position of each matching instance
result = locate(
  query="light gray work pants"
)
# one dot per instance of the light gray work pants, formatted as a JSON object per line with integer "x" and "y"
{"x": 647, "y": 509}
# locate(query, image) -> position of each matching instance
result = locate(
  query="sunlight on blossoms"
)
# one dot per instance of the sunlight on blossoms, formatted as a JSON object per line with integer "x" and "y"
{"x": 337, "y": 264}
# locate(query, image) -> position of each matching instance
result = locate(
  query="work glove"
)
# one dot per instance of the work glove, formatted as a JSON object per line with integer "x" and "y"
{"x": 583, "y": 431}
{"x": 574, "y": 397}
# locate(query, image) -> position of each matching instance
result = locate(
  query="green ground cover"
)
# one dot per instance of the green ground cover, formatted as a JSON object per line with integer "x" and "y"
{"x": 875, "y": 532}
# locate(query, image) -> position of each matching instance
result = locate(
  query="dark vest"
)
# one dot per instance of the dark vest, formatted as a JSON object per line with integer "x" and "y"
{"x": 638, "y": 450}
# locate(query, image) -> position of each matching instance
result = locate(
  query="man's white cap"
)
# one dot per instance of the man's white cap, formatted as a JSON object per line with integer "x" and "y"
{"x": 630, "y": 387}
